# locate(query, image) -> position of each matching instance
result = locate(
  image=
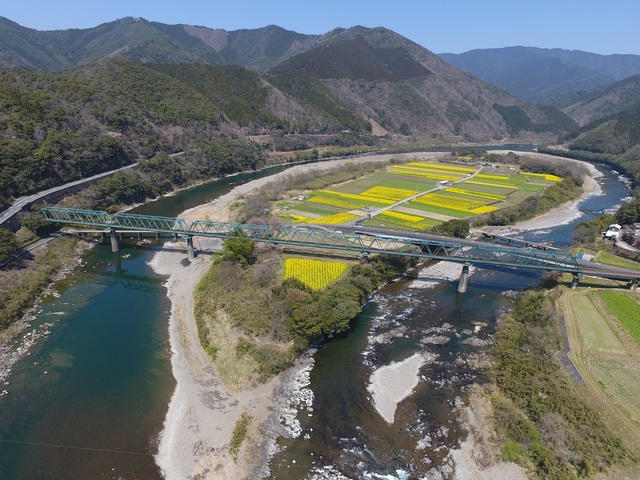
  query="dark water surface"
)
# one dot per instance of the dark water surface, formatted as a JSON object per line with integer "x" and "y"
{"x": 89, "y": 399}
{"x": 343, "y": 436}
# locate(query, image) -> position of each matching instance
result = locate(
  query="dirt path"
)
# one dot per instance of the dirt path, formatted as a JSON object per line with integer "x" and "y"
{"x": 611, "y": 412}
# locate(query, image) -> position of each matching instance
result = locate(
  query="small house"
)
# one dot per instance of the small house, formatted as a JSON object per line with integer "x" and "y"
{"x": 613, "y": 232}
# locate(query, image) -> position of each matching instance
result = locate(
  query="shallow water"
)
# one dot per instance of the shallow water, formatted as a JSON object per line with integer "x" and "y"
{"x": 344, "y": 436}
{"x": 90, "y": 398}
{"x": 85, "y": 401}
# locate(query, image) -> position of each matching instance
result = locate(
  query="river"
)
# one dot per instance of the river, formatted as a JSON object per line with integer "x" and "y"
{"x": 89, "y": 398}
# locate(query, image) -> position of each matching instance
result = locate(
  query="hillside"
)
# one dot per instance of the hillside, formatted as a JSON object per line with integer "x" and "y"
{"x": 57, "y": 126}
{"x": 587, "y": 106}
{"x": 405, "y": 87}
{"x": 135, "y": 39}
{"x": 144, "y": 41}
{"x": 537, "y": 74}
{"x": 610, "y": 124}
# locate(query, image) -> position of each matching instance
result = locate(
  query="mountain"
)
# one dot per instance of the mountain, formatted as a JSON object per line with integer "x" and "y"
{"x": 537, "y": 74}
{"x": 177, "y": 93}
{"x": 405, "y": 87}
{"x": 587, "y": 106}
{"x": 609, "y": 117}
{"x": 144, "y": 41}
{"x": 136, "y": 39}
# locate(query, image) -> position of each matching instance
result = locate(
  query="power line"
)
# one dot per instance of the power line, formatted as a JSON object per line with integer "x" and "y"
{"x": 73, "y": 447}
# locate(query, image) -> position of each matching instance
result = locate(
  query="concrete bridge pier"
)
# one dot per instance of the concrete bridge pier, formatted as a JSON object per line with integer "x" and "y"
{"x": 633, "y": 285}
{"x": 191, "y": 254}
{"x": 114, "y": 241}
{"x": 464, "y": 279}
{"x": 574, "y": 282}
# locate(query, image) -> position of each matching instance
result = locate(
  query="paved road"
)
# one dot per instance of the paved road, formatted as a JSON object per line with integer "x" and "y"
{"x": 20, "y": 204}
{"x": 28, "y": 248}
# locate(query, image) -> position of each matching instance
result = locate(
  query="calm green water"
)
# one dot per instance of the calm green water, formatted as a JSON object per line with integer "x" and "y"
{"x": 90, "y": 398}
{"x": 86, "y": 401}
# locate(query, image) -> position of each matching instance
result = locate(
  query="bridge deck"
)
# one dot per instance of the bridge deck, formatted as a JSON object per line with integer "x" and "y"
{"x": 363, "y": 241}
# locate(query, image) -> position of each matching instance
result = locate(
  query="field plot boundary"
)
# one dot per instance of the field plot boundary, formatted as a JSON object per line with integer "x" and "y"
{"x": 612, "y": 379}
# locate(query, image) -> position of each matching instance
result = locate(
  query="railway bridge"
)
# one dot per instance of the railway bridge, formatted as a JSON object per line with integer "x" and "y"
{"x": 361, "y": 240}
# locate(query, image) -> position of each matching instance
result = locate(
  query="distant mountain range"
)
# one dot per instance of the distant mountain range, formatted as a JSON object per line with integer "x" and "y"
{"x": 144, "y": 41}
{"x": 539, "y": 74}
{"x": 86, "y": 100}
{"x": 376, "y": 74}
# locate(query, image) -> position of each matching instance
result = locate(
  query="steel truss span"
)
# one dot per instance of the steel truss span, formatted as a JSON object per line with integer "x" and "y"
{"x": 473, "y": 253}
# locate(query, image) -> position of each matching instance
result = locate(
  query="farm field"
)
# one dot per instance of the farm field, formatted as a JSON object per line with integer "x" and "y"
{"x": 420, "y": 188}
{"x": 315, "y": 274}
{"x": 607, "y": 355}
{"x": 594, "y": 329}
{"x": 625, "y": 309}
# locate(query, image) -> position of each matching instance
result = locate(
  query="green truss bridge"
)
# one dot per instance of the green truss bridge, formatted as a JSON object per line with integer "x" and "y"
{"x": 465, "y": 252}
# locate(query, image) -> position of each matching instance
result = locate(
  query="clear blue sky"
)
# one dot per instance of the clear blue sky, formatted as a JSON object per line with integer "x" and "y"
{"x": 599, "y": 26}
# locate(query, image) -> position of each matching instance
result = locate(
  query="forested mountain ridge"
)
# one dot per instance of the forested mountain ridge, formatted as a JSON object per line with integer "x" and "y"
{"x": 144, "y": 41}
{"x": 406, "y": 88}
{"x": 57, "y": 126}
{"x": 539, "y": 74}
{"x": 610, "y": 124}
{"x": 590, "y": 105}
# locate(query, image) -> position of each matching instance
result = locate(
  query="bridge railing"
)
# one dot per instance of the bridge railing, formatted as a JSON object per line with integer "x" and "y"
{"x": 129, "y": 221}
{"x": 364, "y": 243}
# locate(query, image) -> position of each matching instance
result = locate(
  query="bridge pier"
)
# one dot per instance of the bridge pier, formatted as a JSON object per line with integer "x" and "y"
{"x": 633, "y": 285}
{"x": 464, "y": 279}
{"x": 191, "y": 254}
{"x": 114, "y": 241}
{"x": 574, "y": 282}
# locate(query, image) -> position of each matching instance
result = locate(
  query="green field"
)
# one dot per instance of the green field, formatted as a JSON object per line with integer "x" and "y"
{"x": 594, "y": 329}
{"x": 471, "y": 196}
{"x": 621, "y": 382}
{"x": 625, "y": 309}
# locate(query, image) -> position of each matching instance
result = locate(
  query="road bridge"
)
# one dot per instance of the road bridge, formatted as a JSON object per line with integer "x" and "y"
{"x": 363, "y": 241}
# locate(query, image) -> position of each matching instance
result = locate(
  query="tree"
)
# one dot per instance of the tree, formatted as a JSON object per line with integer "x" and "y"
{"x": 35, "y": 222}
{"x": 238, "y": 248}
{"x": 7, "y": 244}
{"x": 629, "y": 213}
{"x": 456, "y": 227}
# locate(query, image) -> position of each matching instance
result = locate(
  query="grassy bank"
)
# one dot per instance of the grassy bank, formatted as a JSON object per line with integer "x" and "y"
{"x": 253, "y": 320}
{"x": 21, "y": 286}
{"x": 543, "y": 421}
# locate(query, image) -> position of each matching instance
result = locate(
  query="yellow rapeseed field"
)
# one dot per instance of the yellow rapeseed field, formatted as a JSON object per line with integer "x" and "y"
{"x": 489, "y": 196}
{"x": 442, "y": 167}
{"x": 547, "y": 176}
{"x": 453, "y": 203}
{"x": 335, "y": 219}
{"x": 387, "y": 193}
{"x": 407, "y": 220}
{"x": 316, "y": 274}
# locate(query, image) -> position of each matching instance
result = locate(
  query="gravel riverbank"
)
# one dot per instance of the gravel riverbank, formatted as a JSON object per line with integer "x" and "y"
{"x": 202, "y": 412}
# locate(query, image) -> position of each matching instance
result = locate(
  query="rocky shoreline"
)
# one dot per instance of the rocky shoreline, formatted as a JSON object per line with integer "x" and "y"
{"x": 202, "y": 412}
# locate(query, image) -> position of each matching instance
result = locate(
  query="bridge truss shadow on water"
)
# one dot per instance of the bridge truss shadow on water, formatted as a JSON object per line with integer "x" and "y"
{"x": 362, "y": 240}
